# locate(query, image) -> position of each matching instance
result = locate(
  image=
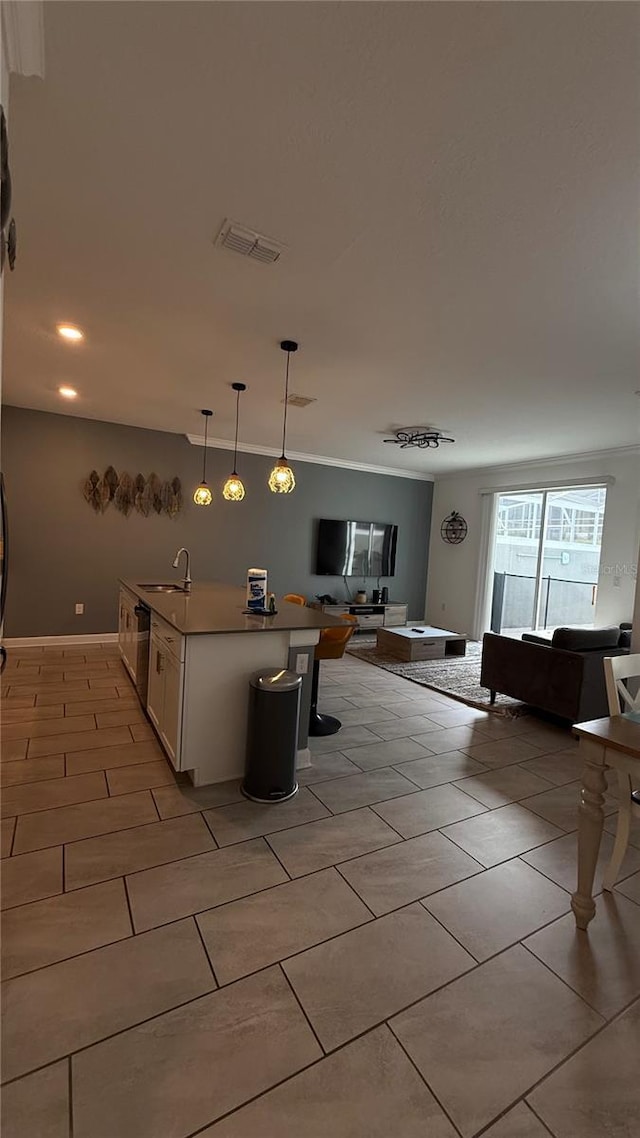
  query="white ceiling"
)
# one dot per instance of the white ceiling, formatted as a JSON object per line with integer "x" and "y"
{"x": 457, "y": 185}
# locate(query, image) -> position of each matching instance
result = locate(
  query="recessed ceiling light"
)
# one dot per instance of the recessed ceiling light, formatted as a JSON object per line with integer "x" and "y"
{"x": 68, "y": 392}
{"x": 70, "y": 332}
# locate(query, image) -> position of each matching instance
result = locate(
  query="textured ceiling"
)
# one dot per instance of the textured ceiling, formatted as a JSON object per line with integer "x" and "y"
{"x": 457, "y": 186}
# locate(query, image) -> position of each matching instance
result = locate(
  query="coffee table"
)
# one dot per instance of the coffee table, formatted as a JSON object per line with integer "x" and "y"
{"x": 427, "y": 644}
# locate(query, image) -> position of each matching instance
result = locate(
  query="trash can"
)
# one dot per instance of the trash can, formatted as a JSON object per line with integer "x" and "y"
{"x": 272, "y": 735}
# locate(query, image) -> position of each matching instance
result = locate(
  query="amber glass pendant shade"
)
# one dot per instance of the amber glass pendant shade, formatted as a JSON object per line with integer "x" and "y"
{"x": 282, "y": 479}
{"x": 233, "y": 489}
{"x": 202, "y": 495}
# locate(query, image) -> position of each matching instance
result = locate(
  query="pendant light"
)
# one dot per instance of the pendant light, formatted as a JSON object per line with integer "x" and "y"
{"x": 202, "y": 495}
{"x": 281, "y": 479}
{"x": 233, "y": 490}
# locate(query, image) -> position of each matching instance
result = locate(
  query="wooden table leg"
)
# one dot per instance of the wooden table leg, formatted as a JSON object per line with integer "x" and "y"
{"x": 590, "y": 823}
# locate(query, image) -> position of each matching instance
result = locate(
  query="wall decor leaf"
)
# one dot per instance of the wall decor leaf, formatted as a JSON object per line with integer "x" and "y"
{"x": 144, "y": 501}
{"x": 103, "y": 493}
{"x": 96, "y": 498}
{"x": 124, "y": 495}
{"x": 87, "y": 489}
{"x": 156, "y": 492}
{"x": 110, "y": 478}
{"x": 177, "y": 490}
{"x": 166, "y": 494}
{"x": 139, "y": 485}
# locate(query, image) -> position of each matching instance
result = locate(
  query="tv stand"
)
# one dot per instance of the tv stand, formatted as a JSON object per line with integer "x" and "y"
{"x": 369, "y": 616}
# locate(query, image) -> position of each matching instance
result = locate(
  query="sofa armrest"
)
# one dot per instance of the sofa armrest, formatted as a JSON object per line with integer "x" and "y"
{"x": 537, "y": 674}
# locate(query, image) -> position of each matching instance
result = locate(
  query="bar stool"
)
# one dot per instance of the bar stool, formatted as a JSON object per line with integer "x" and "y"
{"x": 295, "y": 599}
{"x": 331, "y": 646}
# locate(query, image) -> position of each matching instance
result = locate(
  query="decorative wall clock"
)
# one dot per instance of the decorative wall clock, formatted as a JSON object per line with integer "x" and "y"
{"x": 454, "y": 529}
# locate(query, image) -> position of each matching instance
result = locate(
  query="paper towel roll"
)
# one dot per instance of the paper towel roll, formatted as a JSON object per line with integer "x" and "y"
{"x": 256, "y": 588}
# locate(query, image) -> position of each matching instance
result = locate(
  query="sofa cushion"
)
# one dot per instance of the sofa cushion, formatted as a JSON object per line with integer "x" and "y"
{"x": 624, "y": 640}
{"x": 585, "y": 639}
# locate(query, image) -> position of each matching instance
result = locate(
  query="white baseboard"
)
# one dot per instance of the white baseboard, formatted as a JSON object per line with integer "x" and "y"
{"x": 50, "y": 641}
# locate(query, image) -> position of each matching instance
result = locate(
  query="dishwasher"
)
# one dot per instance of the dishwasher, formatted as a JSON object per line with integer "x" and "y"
{"x": 143, "y": 636}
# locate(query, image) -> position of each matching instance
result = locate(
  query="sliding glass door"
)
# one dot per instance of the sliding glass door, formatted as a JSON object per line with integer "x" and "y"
{"x": 546, "y": 559}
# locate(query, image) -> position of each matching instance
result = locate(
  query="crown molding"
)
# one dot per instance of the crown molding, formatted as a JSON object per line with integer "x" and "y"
{"x": 318, "y": 459}
{"x": 541, "y": 463}
{"x": 23, "y": 32}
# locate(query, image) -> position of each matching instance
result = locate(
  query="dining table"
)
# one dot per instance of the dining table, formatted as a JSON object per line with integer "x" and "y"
{"x": 612, "y": 742}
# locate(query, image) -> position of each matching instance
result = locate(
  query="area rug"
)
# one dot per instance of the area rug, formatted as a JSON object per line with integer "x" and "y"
{"x": 455, "y": 676}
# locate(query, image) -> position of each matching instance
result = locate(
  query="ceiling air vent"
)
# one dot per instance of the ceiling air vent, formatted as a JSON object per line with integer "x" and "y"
{"x": 299, "y": 401}
{"x": 248, "y": 243}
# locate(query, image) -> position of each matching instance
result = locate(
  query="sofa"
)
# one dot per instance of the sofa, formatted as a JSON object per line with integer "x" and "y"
{"x": 563, "y": 675}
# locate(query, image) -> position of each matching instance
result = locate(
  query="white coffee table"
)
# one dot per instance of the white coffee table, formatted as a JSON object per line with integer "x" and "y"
{"x": 425, "y": 644}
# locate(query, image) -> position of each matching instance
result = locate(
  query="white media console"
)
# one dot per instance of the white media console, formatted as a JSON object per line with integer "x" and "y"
{"x": 369, "y": 616}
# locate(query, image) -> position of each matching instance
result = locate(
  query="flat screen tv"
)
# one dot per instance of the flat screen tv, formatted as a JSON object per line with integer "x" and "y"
{"x": 356, "y": 549}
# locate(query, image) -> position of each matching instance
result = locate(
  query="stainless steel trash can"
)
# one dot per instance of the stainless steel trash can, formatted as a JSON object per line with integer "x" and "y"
{"x": 272, "y": 735}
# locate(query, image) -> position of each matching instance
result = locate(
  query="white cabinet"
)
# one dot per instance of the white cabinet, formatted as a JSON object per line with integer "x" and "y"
{"x": 166, "y": 687}
{"x": 155, "y": 691}
{"x": 170, "y": 728}
{"x": 127, "y": 631}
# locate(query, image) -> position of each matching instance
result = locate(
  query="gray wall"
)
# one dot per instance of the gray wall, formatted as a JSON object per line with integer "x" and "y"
{"x": 61, "y": 552}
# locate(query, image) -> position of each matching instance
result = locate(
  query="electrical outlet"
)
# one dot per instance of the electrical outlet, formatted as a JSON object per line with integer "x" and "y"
{"x": 80, "y": 609}
{"x": 302, "y": 663}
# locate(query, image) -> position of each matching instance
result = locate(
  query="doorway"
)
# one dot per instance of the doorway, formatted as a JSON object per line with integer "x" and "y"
{"x": 546, "y": 559}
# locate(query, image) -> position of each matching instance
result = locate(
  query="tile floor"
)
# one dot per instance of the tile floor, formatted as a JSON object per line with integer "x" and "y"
{"x": 389, "y": 953}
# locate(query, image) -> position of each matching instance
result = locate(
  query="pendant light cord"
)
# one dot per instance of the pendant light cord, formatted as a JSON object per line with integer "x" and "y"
{"x": 235, "y": 448}
{"x": 204, "y": 455}
{"x": 286, "y": 397}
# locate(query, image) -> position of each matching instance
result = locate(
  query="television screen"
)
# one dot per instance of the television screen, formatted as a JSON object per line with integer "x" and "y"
{"x": 356, "y": 549}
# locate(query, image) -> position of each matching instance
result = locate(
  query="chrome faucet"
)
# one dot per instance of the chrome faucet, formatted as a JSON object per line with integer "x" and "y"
{"x": 186, "y": 582}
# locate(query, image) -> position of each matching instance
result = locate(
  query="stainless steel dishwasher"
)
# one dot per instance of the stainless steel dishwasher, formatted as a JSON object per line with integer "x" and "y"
{"x": 143, "y": 636}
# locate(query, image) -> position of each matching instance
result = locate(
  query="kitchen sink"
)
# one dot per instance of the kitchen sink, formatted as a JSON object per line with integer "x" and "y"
{"x": 162, "y": 588}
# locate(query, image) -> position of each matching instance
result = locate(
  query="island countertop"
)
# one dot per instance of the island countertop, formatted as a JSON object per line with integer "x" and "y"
{"x": 213, "y": 607}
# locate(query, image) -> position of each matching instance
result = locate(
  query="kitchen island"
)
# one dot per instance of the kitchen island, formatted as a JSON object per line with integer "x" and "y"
{"x": 203, "y": 650}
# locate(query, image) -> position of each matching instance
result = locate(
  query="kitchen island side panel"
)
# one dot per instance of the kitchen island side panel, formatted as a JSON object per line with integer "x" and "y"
{"x": 218, "y": 669}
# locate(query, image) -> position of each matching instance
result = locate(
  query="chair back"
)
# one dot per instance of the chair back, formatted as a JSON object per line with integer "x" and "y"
{"x": 333, "y": 641}
{"x": 295, "y": 599}
{"x": 620, "y": 696}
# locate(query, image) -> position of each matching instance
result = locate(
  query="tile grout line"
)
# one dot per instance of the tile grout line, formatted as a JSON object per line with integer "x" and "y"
{"x": 354, "y": 890}
{"x": 422, "y": 1077}
{"x": 488, "y": 811}
{"x": 576, "y": 1050}
{"x": 536, "y": 1115}
{"x": 106, "y": 1038}
{"x": 206, "y": 952}
{"x": 58, "y": 842}
{"x": 256, "y": 1097}
{"x": 70, "y": 1092}
{"x": 566, "y": 983}
{"x": 265, "y": 838}
{"x": 127, "y": 899}
{"x": 66, "y": 959}
{"x": 302, "y": 1009}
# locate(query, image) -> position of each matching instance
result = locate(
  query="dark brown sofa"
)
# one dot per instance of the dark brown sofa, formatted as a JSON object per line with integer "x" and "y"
{"x": 563, "y": 676}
